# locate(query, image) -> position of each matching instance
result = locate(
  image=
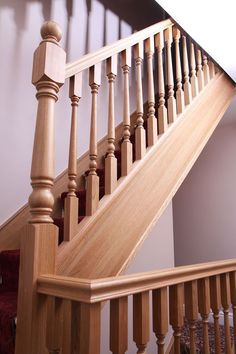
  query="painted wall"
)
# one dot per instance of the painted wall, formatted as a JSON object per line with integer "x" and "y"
{"x": 86, "y": 25}
{"x": 204, "y": 207}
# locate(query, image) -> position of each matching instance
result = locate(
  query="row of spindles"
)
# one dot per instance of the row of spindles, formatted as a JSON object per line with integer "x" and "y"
{"x": 178, "y": 82}
{"x": 175, "y": 306}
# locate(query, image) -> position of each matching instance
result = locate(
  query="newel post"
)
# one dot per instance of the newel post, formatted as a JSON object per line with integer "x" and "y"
{"x": 39, "y": 239}
{"x": 48, "y": 76}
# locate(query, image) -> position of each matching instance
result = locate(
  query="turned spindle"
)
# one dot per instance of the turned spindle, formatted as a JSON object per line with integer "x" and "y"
{"x": 226, "y": 302}
{"x": 111, "y": 161}
{"x": 187, "y": 85}
{"x": 176, "y": 302}
{"x": 191, "y": 311}
{"x": 89, "y": 328}
{"x": 233, "y": 300}
{"x": 119, "y": 325}
{"x": 206, "y": 71}
{"x": 216, "y": 306}
{"x": 126, "y": 146}
{"x": 160, "y": 317}
{"x": 71, "y": 201}
{"x": 171, "y": 102}
{"x": 47, "y": 79}
{"x": 193, "y": 78}
{"x": 200, "y": 75}
{"x": 140, "y": 135}
{"x": 151, "y": 119}
{"x": 162, "y": 111}
{"x": 92, "y": 192}
{"x": 141, "y": 333}
{"x": 179, "y": 89}
{"x": 204, "y": 309}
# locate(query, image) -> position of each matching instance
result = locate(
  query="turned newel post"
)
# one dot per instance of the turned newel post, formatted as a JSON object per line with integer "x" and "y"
{"x": 48, "y": 76}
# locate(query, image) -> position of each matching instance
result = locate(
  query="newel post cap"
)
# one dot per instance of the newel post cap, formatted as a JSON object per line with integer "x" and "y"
{"x": 49, "y": 58}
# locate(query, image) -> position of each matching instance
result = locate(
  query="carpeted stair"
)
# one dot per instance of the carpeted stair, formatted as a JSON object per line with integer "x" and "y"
{"x": 9, "y": 274}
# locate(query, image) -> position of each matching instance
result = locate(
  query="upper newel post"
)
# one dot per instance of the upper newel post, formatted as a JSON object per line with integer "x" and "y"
{"x": 48, "y": 76}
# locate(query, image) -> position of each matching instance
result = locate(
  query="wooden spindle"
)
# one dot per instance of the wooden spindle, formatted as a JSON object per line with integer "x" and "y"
{"x": 187, "y": 85}
{"x": 111, "y": 161}
{"x": 151, "y": 119}
{"x": 160, "y": 317}
{"x": 176, "y": 300}
{"x": 204, "y": 309}
{"x": 48, "y": 79}
{"x": 200, "y": 75}
{"x": 126, "y": 146}
{"x": 162, "y": 111}
{"x": 191, "y": 311}
{"x": 141, "y": 321}
{"x": 54, "y": 325}
{"x": 215, "y": 306}
{"x": 171, "y": 102}
{"x": 92, "y": 192}
{"x": 226, "y": 301}
{"x": 211, "y": 69}
{"x": 233, "y": 301}
{"x": 119, "y": 325}
{"x": 193, "y": 79}
{"x": 206, "y": 71}
{"x": 179, "y": 91}
{"x": 140, "y": 135}
{"x": 90, "y": 328}
{"x": 72, "y": 202}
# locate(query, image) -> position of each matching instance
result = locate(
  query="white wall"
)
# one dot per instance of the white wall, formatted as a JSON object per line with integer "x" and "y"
{"x": 204, "y": 208}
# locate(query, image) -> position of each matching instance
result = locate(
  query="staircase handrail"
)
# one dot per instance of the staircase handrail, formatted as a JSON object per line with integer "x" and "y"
{"x": 98, "y": 290}
{"x": 108, "y": 51}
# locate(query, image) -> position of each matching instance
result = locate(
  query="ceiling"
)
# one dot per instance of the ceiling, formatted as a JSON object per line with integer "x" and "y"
{"x": 211, "y": 25}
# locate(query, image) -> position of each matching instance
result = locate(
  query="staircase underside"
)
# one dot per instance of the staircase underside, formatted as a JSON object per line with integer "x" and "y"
{"x": 106, "y": 242}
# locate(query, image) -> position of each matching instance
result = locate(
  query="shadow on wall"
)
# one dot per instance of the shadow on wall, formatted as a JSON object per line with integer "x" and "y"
{"x": 137, "y": 13}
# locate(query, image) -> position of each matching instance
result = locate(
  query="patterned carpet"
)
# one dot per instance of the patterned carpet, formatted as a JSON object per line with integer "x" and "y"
{"x": 185, "y": 340}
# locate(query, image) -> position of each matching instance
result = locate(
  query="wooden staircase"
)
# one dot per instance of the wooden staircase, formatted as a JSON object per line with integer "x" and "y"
{"x": 151, "y": 151}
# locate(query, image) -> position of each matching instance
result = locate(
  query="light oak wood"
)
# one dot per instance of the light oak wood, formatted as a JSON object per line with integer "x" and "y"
{"x": 206, "y": 71}
{"x": 215, "y": 297}
{"x": 106, "y": 52}
{"x": 226, "y": 302}
{"x": 119, "y": 325}
{"x": 54, "y": 333}
{"x": 204, "y": 309}
{"x": 211, "y": 68}
{"x": 38, "y": 256}
{"x": 103, "y": 289}
{"x": 140, "y": 135}
{"x": 233, "y": 301}
{"x": 191, "y": 311}
{"x": 179, "y": 91}
{"x": 162, "y": 111}
{"x": 141, "y": 321}
{"x": 71, "y": 202}
{"x": 90, "y": 328}
{"x": 171, "y": 102}
{"x": 187, "y": 85}
{"x": 176, "y": 302}
{"x": 48, "y": 76}
{"x": 160, "y": 317}
{"x": 92, "y": 190}
{"x": 126, "y": 146}
{"x": 193, "y": 78}
{"x": 189, "y": 135}
{"x": 151, "y": 119}
{"x": 111, "y": 161}
{"x": 200, "y": 74}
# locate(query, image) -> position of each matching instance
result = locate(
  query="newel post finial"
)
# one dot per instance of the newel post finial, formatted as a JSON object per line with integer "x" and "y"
{"x": 48, "y": 76}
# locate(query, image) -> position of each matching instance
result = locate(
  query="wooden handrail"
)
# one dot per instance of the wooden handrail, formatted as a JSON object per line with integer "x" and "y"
{"x": 104, "y": 53}
{"x": 91, "y": 291}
